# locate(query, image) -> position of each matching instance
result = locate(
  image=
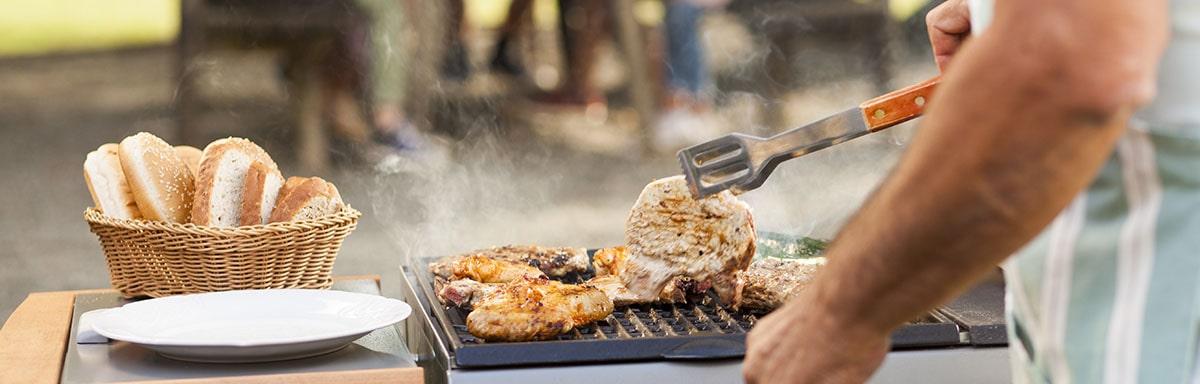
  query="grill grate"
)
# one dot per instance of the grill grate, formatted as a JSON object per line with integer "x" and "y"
{"x": 701, "y": 328}
{"x": 703, "y": 316}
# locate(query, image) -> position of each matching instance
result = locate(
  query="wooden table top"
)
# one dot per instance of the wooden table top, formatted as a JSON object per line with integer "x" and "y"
{"x": 34, "y": 340}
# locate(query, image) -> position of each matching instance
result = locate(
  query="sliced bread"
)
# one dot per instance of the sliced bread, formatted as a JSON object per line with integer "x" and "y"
{"x": 191, "y": 157}
{"x": 160, "y": 181}
{"x": 306, "y": 198}
{"x": 106, "y": 182}
{"x": 260, "y": 192}
{"x": 221, "y": 181}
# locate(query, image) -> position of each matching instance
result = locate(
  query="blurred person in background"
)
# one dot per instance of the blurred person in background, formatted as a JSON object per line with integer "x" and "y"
{"x": 501, "y": 60}
{"x": 583, "y": 24}
{"x": 685, "y": 103}
{"x": 1066, "y": 109}
{"x": 371, "y": 67}
{"x": 343, "y": 80}
{"x": 388, "y": 75}
{"x": 687, "y": 71}
{"x": 455, "y": 64}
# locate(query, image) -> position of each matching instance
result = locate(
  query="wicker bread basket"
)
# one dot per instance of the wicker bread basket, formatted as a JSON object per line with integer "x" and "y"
{"x": 156, "y": 259}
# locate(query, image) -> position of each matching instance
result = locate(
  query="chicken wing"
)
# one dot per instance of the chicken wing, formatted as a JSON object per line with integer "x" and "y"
{"x": 771, "y": 282}
{"x": 535, "y": 309}
{"x": 553, "y": 261}
{"x": 487, "y": 270}
{"x": 610, "y": 261}
{"x": 669, "y": 234}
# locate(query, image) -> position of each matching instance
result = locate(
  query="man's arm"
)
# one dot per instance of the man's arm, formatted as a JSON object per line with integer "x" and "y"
{"x": 1028, "y": 114}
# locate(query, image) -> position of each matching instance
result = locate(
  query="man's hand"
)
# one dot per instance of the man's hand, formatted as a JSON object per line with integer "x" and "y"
{"x": 949, "y": 25}
{"x": 799, "y": 343}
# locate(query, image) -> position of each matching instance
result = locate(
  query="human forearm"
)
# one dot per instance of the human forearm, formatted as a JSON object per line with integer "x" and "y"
{"x": 1017, "y": 129}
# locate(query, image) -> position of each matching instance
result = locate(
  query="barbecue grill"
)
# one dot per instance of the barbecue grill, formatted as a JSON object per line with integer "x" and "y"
{"x": 697, "y": 336}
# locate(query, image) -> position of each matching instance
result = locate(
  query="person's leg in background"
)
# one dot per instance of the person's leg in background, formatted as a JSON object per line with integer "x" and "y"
{"x": 343, "y": 83}
{"x": 501, "y": 61}
{"x": 687, "y": 73}
{"x": 685, "y": 120}
{"x": 455, "y": 64}
{"x": 388, "y": 80}
{"x": 583, "y": 24}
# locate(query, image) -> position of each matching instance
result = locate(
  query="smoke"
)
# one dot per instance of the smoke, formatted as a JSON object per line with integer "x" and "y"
{"x": 815, "y": 194}
{"x": 498, "y": 191}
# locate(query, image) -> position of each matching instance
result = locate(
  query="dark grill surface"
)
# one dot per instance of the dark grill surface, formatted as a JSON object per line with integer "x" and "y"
{"x": 701, "y": 316}
{"x": 700, "y": 329}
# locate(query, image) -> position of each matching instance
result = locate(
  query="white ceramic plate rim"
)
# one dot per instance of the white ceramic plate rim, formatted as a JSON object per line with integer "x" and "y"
{"x": 399, "y": 311}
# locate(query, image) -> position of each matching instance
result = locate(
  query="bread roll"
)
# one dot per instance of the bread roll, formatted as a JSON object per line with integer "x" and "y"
{"x": 306, "y": 198}
{"x": 159, "y": 179}
{"x": 261, "y": 190}
{"x": 221, "y": 181}
{"x": 290, "y": 184}
{"x": 190, "y": 156}
{"x": 106, "y": 182}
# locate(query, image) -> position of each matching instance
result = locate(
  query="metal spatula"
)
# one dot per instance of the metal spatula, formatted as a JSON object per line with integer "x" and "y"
{"x": 741, "y": 162}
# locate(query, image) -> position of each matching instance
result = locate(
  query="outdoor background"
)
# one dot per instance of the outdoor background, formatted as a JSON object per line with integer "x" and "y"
{"x": 75, "y": 75}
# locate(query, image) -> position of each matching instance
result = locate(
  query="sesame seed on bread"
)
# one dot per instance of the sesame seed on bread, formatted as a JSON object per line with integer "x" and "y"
{"x": 159, "y": 179}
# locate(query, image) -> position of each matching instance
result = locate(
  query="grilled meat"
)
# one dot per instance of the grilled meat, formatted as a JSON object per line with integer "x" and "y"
{"x": 552, "y": 261}
{"x": 669, "y": 234}
{"x": 675, "y": 292}
{"x": 614, "y": 289}
{"x": 463, "y": 293}
{"x": 609, "y": 263}
{"x": 486, "y": 270}
{"x": 535, "y": 309}
{"x": 769, "y": 283}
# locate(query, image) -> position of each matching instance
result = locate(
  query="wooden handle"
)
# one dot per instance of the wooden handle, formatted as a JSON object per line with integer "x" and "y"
{"x": 899, "y": 106}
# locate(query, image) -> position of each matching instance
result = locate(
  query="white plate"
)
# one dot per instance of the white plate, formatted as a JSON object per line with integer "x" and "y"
{"x": 250, "y": 325}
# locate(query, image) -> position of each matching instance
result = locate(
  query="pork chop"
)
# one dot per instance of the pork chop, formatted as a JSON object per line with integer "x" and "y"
{"x": 669, "y": 235}
{"x": 769, "y": 283}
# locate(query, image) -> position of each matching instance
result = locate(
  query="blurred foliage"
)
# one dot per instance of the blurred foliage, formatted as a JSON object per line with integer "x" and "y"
{"x": 31, "y": 27}
{"x": 491, "y": 13}
{"x": 649, "y": 12}
{"x": 487, "y": 13}
{"x": 778, "y": 245}
{"x": 904, "y": 9}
